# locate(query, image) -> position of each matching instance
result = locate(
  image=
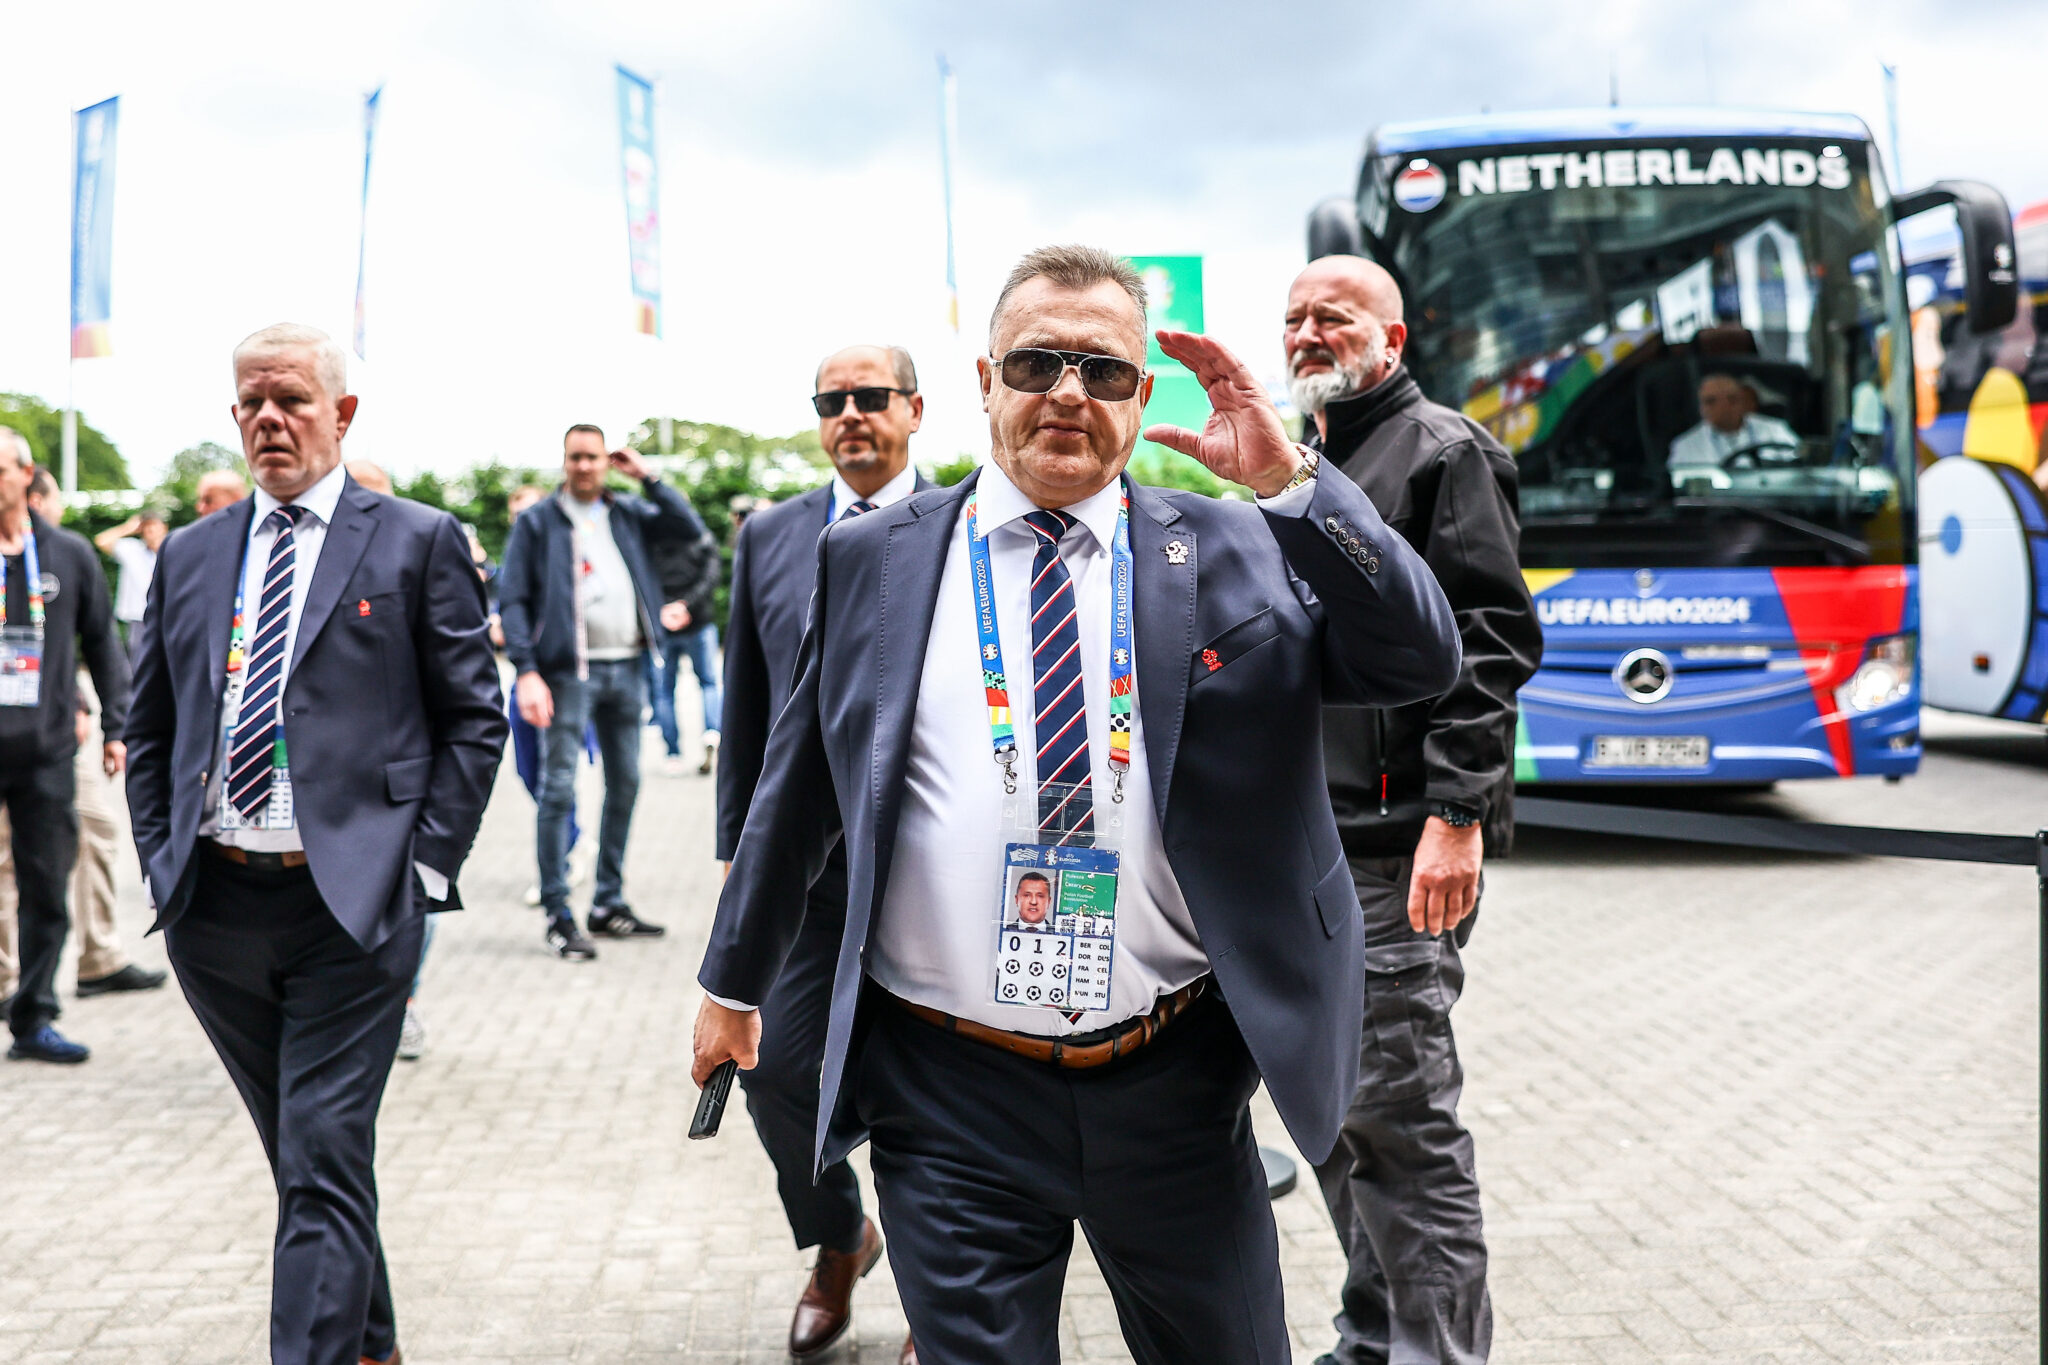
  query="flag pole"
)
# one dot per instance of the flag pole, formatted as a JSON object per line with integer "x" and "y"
{"x": 68, "y": 465}
{"x": 949, "y": 129}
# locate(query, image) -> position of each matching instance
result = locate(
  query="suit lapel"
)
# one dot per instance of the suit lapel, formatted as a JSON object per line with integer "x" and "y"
{"x": 1165, "y": 592}
{"x": 220, "y": 575}
{"x": 355, "y": 521}
{"x": 913, "y": 564}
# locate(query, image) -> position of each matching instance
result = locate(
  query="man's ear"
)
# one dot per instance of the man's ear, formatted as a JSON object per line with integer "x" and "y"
{"x": 346, "y": 409}
{"x": 1397, "y": 342}
{"x": 986, "y": 373}
{"x": 916, "y": 411}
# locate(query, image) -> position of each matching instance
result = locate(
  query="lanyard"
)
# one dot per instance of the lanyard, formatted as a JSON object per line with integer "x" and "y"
{"x": 34, "y": 569}
{"x": 1122, "y": 660}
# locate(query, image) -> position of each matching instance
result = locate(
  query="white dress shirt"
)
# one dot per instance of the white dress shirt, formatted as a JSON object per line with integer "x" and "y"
{"x": 1707, "y": 445}
{"x": 896, "y": 490}
{"x": 308, "y": 537}
{"x": 933, "y": 941}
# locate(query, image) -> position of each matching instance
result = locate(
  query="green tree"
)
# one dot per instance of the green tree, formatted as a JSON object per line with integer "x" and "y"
{"x": 99, "y": 464}
{"x": 179, "y": 487}
{"x": 715, "y": 464}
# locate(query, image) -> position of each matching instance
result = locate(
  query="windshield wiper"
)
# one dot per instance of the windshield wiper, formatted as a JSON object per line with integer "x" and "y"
{"x": 1856, "y": 549}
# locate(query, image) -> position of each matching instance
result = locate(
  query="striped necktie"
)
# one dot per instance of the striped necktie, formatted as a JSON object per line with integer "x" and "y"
{"x": 259, "y": 729}
{"x": 854, "y": 509}
{"x": 1066, "y": 803}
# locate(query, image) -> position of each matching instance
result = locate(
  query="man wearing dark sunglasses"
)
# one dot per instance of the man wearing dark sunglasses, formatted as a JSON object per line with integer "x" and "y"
{"x": 868, "y": 406}
{"x": 1147, "y": 670}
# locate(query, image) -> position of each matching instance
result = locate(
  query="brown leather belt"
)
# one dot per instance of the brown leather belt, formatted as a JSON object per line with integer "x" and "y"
{"x": 267, "y": 862}
{"x": 1121, "y": 1040}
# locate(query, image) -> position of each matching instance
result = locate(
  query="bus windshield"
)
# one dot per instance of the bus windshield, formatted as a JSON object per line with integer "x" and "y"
{"x": 1695, "y": 352}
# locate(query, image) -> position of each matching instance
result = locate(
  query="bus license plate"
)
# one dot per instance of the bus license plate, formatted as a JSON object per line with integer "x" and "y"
{"x": 1648, "y": 751}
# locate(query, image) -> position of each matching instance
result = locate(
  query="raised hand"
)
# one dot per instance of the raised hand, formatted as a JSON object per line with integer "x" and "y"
{"x": 1243, "y": 440}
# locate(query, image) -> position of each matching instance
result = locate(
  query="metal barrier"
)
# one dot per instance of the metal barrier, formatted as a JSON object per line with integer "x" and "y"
{"x": 1763, "y": 831}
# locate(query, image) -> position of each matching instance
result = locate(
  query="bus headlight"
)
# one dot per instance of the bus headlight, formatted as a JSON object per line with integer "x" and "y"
{"x": 1885, "y": 675}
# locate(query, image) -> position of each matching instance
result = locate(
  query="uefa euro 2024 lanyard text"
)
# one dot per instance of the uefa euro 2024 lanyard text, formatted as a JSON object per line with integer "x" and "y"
{"x": 1055, "y": 920}
{"x": 277, "y": 814}
{"x": 21, "y": 647}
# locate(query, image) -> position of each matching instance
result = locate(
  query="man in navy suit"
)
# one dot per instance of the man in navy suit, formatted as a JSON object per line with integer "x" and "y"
{"x": 1019, "y": 617}
{"x": 316, "y": 724}
{"x": 868, "y": 405}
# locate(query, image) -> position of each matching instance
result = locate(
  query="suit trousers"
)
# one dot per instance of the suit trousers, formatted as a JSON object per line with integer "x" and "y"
{"x": 307, "y": 1024}
{"x": 1402, "y": 1186}
{"x": 984, "y": 1160}
{"x": 41, "y": 803}
{"x": 782, "y": 1091}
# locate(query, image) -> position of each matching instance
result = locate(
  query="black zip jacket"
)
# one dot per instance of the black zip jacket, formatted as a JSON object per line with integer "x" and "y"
{"x": 77, "y": 618}
{"x": 686, "y": 563}
{"x": 1447, "y": 486}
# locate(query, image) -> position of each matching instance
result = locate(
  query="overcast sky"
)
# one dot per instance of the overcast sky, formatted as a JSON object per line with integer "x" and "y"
{"x": 800, "y": 176}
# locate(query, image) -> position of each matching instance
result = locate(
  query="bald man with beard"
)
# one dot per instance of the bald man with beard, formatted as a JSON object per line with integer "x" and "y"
{"x": 1421, "y": 793}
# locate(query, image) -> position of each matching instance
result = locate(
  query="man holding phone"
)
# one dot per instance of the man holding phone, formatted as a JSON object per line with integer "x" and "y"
{"x": 580, "y": 604}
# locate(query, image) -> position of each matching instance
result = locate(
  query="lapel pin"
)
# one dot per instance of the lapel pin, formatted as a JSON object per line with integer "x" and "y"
{"x": 1176, "y": 552}
{"x": 363, "y": 607}
{"x": 1212, "y": 660}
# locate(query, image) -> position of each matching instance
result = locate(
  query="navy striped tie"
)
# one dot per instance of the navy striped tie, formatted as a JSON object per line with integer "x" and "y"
{"x": 1066, "y": 804}
{"x": 258, "y": 725}
{"x": 854, "y": 509}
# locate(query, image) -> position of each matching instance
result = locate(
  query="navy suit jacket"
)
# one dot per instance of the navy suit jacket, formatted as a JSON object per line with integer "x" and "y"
{"x": 1240, "y": 644}
{"x": 774, "y": 563}
{"x": 393, "y": 715}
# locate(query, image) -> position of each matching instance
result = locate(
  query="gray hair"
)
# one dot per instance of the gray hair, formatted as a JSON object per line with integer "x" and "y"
{"x": 900, "y": 364}
{"x": 24, "y": 453}
{"x": 1071, "y": 267}
{"x": 330, "y": 362}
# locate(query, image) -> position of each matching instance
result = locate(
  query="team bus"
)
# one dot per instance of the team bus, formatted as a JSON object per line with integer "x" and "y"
{"x": 1689, "y": 327}
{"x": 1982, "y": 409}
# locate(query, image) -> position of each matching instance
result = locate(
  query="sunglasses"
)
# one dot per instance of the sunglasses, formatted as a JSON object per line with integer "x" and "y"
{"x": 866, "y": 400}
{"x": 1032, "y": 370}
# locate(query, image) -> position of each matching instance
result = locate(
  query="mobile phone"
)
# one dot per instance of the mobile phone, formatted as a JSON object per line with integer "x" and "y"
{"x": 711, "y": 1102}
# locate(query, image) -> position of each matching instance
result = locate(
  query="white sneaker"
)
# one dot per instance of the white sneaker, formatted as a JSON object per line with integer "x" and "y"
{"x": 412, "y": 1034}
{"x": 710, "y": 752}
{"x": 533, "y": 894}
{"x": 674, "y": 766}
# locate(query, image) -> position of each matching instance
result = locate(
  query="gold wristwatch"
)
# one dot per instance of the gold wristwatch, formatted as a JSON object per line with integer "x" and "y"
{"x": 1310, "y": 463}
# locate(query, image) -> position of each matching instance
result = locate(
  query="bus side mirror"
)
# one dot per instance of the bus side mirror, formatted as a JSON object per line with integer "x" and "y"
{"x": 1333, "y": 229}
{"x": 1991, "y": 287}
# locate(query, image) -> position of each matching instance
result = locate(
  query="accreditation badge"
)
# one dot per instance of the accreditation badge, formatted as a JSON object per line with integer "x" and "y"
{"x": 1055, "y": 921}
{"x": 21, "y": 666}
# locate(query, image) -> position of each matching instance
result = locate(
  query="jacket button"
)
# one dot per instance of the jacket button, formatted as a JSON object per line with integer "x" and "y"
{"x": 202, "y": 776}
{"x": 1372, "y": 564}
{"x": 1331, "y": 524}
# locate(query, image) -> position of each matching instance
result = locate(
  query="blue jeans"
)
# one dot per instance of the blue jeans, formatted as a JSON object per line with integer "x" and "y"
{"x": 526, "y": 758}
{"x": 609, "y": 701}
{"x": 700, "y": 644}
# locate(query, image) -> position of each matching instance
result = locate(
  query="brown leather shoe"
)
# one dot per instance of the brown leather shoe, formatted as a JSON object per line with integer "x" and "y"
{"x": 909, "y": 1356}
{"x": 826, "y": 1309}
{"x": 397, "y": 1357}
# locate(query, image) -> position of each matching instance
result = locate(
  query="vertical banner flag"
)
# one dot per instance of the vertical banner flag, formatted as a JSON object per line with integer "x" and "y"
{"x": 363, "y": 231}
{"x": 643, "y": 199}
{"x": 949, "y": 130}
{"x": 92, "y": 231}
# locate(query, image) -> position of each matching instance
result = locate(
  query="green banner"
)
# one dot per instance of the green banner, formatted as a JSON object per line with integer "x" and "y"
{"x": 1173, "y": 287}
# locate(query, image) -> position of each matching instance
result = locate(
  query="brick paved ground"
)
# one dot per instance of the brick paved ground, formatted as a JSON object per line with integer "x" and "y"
{"x": 1729, "y": 1109}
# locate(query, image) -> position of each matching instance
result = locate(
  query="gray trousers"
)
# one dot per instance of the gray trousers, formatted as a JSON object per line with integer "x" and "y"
{"x": 1401, "y": 1185}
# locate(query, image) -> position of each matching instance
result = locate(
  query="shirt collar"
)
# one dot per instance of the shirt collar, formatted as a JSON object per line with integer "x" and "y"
{"x": 321, "y": 499}
{"x": 1001, "y": 504}
{"x": 896, "y": 490}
